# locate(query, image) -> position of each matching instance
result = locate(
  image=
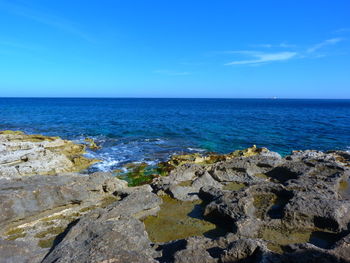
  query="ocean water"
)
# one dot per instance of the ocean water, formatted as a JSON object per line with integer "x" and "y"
{"x": 150, "y": 130}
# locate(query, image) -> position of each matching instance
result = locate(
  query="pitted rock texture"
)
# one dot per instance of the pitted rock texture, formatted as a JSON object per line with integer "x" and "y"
{"x": 274, "y": 209}
{"x": 113, "y": 234}
{"x": 301, "y": 198}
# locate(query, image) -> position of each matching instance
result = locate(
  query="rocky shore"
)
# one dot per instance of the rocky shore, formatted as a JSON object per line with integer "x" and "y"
{"x": 247, "y": 206}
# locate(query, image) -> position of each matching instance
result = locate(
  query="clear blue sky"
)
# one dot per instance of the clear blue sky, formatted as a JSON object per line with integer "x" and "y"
{"x": 179, "y": 48}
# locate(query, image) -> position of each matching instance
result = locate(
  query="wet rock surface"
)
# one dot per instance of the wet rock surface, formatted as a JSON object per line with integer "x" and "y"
{"x": 247, "y": 206}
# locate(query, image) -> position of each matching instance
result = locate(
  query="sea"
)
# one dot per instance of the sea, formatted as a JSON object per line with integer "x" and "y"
{"x": 151, "y": 130}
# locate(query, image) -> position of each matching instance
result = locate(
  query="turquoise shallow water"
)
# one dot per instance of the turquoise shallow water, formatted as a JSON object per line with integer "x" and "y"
{"x": 152, "y": 129}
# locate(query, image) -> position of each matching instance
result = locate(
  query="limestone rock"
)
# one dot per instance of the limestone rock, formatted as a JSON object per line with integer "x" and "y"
{"x": 22, "y": 154}
{"x": 28, "y": 196}
{"x": 113, "y": 234}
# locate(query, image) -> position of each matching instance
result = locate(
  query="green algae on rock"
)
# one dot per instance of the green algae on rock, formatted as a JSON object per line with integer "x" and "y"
{"x": 233, "y": 186}
{"x": 211, "y": 158}
{"x": 14, "y": 233}
{"x": 138, "y": 173}
{"x": 6, "y": 132}
{"x": 344, "y": 189}
{"x": 177, "y": 219}
{"x": 92, "y": 144}
{"x": 46, "y": 243}
{"x": 262, "y": 203}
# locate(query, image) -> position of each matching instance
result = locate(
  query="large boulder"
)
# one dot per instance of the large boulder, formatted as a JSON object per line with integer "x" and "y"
{"x": 28, "y": 196}
{"x": 113, "y": 234}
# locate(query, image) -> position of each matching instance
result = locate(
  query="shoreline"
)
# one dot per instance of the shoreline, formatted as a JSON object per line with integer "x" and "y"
{"x": 251, "y": 204}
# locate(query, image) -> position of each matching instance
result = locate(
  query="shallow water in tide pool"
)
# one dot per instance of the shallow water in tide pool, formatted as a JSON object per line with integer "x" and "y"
{"x": 177, "y": 220}
{"x": 344, "y": 189}
{"x": 149, "y": 130}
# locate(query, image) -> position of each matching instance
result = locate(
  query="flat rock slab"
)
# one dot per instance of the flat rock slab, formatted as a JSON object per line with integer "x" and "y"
{"x": 31, "y": 195}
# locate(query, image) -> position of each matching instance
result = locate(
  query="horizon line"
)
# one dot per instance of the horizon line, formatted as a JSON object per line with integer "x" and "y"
{"x": 217, "y": 98}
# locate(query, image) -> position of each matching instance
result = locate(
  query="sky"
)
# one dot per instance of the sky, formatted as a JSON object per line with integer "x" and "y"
{"x": 175, "y": 48}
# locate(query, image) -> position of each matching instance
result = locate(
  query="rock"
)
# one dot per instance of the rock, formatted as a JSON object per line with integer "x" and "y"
{"x": 22, "y": 154}
{"x": 269, "y": 209}
{"x": 249, "y": 250}
{"x": 341, "y": 249}
{"x": 179, "y": 181}
{"x": 195, "y": 251}
{"x": 224, "y": 249}
{"x": 308, "y": 253}
{"x": 19, "y": 252}
{"x": 315, "y": 210}
{"x": 113, "y": 240}
{"x": 92, "y": 144}
{"x": 245, "y": 169}
{"x": 28, "y": 196}
{"x": 113, "y": 234}
{"x": 190, "y": 192}
{"x": 177, "y": 160}
{"x": 211, "y": 158}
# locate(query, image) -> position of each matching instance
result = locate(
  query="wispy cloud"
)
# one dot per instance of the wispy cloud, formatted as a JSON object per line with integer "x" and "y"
{"x": 327, "y": 42}
{"x": 280, "y": 45}
{"x": 260, "y": 57}
{"x": 171, "y": 72}
{"x": 45, "y": 18}
{"x": 342, "y": 30}
{"x": 253, "y": 57}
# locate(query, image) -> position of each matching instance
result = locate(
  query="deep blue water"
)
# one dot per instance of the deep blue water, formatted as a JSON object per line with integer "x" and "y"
{"x": 152, "y": 129}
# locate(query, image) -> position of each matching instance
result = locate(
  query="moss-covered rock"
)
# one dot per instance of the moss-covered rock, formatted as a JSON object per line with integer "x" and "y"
{"x": 46, "y": 243}
{"x": 92, "y": 144}
{"x": 138, "y": 173}
{"x": 7, "y": 132}
{"x": 51, "y": 231}
{"x": 14, "y": 233}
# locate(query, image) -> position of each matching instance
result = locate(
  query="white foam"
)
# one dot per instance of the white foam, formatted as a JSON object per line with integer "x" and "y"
{"x": 195, "y": 149}
{"x": 117, "y": 152}
{"x": 106, "y": 165}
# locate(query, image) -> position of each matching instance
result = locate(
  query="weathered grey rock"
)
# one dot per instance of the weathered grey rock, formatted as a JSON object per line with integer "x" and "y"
{"x": 20, "y": 252}
{"x": 245, "y": 207}
{"x": 184, "y": 182}
{"x": 225, "y": 249}
{"x": 311, "y": 210}
{"x": 250, "y": 250}
{"x": 121, "y": 239}
{"x": 245, "y": 169}
{"x": 28, "y": 196}
{"x": 186, "y": 172}
{"x": 308, "y": 253}
{"x": 271, "y": 206}
{"x": 341, "y": 249}
{"x": 191, "y": 250}
{"x": 113, "y": 234}
{"x": 235, "y": 170}
{"x": 190, "y": 192}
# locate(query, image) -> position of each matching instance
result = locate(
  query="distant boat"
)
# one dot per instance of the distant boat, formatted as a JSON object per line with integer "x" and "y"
{"x": 274, "y": 98}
